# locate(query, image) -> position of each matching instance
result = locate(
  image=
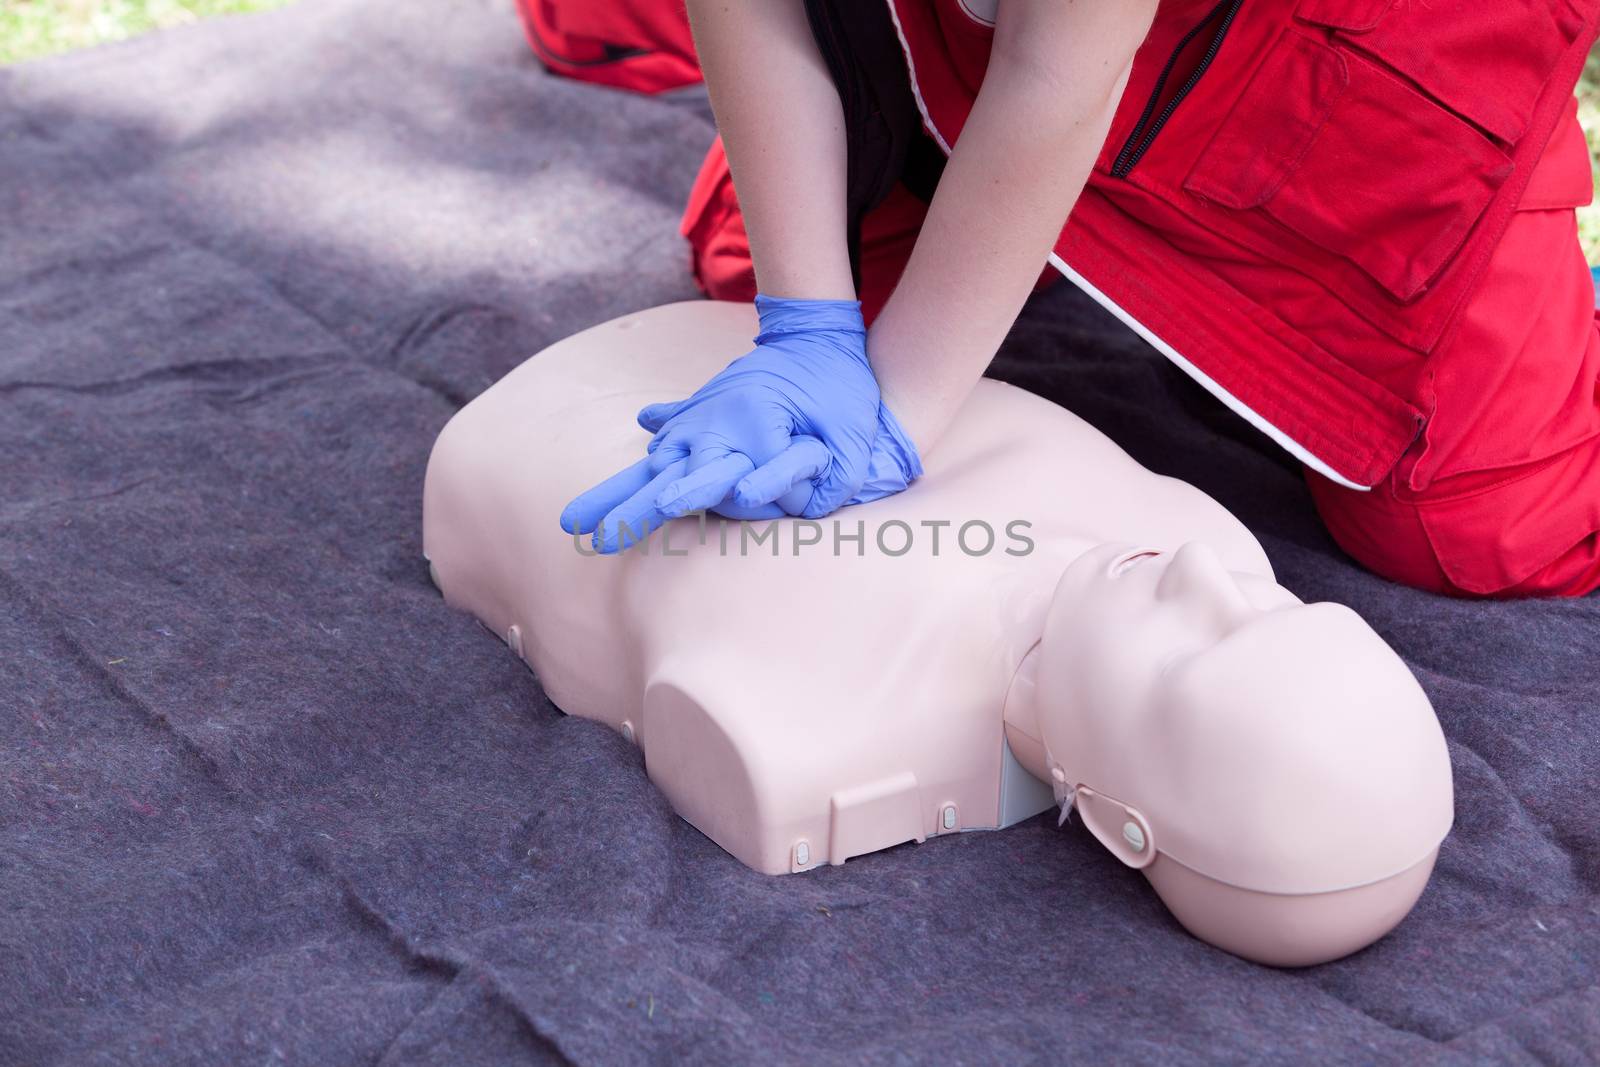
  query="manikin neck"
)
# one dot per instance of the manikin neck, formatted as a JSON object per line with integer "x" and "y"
{"x": 1021, "y": 715}
{"x": 1020, "y": 711}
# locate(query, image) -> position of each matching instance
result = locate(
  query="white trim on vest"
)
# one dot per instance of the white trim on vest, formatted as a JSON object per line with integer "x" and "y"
{"x": 1234, "y": 404}
{"x": 916, "y": 88}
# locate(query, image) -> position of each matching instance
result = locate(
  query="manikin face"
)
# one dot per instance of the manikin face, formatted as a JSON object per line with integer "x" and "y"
{"x": 1143, "y": 615}
{"x": 1282, "y": 742}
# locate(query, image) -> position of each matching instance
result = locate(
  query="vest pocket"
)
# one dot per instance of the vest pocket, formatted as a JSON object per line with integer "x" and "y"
{"x": 1486, "y": 60}
{"x": 1338, "y": 150}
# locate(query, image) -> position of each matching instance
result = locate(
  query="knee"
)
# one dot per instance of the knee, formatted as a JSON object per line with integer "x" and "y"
{"x": 1533, "y": 536}
{"x": 1380, "y": 532}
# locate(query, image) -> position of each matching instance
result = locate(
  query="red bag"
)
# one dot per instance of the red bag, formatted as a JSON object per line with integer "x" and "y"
{"x": 639, "y": 45}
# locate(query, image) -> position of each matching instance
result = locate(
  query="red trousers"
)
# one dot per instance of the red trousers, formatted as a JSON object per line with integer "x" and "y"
{"x": 1511, "y": 506}
{"x": 1500, "y": 496}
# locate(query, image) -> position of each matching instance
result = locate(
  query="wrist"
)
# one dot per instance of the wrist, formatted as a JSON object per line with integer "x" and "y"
{"x": 897, "y": 442}
{"x": 781, "y": 315}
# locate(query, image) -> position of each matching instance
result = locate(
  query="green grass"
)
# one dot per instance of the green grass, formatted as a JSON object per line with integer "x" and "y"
{"x": 33, "y": 28}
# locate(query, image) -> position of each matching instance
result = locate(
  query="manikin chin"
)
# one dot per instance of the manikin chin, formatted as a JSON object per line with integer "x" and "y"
{"x": 1115, "y": 646}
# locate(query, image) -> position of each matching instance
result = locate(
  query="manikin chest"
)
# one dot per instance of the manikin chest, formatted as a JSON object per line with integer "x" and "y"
{"x": 802, "y": 692}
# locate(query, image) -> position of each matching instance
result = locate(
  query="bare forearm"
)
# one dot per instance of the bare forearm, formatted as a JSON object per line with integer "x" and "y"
{"x": 783, "y": 128}
{"x": 1021, "y": 161}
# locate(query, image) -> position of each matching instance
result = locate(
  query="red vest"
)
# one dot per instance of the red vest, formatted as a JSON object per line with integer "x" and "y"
{"x": 1297, "y": 197}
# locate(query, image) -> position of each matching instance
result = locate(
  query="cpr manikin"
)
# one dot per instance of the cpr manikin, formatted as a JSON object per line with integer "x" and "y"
{"x": 1037, "y": 621}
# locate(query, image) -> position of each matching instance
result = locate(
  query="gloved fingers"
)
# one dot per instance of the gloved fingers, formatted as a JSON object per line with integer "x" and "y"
{"x": 829, "y": 494}
{"x": 708, "y": 483}
{"x": 730, "y": 510}
{"x": 586, "y": 510}
{"x": 795, "y": 466}
{"x": 666, "y": 451}
{"x": 654, "y": 416}
{"x": 631, "y": 521}
{"x": 795, "y": 500}
{"x": 667, "y": 435}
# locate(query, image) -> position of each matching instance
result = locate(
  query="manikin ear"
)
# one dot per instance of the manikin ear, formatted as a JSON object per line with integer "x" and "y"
{"x": 1120, "y": 827}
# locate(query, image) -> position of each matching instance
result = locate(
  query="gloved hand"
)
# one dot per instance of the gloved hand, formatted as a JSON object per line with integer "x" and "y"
{"x": 794, "y": 427}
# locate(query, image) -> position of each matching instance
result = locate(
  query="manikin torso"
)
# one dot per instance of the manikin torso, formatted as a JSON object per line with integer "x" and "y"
{"x": 815, "y": 665}
{"x": 803, "y": 693}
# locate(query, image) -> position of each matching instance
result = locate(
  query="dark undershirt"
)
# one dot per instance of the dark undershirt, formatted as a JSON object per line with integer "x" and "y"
{"x": 884, "y": 138}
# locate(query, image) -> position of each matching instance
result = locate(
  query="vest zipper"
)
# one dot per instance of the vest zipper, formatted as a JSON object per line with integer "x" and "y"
{"x": 1144, "y": 131}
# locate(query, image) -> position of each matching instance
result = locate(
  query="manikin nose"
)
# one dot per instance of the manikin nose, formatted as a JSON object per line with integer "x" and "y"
{"x": 1195, "y": 575}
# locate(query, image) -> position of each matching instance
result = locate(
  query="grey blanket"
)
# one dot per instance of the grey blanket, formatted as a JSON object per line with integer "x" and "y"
{"x": 264, "y": 798}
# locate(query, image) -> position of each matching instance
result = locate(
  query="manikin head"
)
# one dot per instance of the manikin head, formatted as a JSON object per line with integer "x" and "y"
{"x": 1272, "y": 766}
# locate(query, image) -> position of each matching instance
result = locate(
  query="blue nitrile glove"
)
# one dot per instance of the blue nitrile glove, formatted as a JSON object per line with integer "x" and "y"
{"x": 794, "y": 427}
{"x": 893, "y": 466}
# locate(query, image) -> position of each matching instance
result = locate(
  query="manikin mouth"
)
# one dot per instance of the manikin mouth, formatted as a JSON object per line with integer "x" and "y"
{"x": 1122, "y": 564}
